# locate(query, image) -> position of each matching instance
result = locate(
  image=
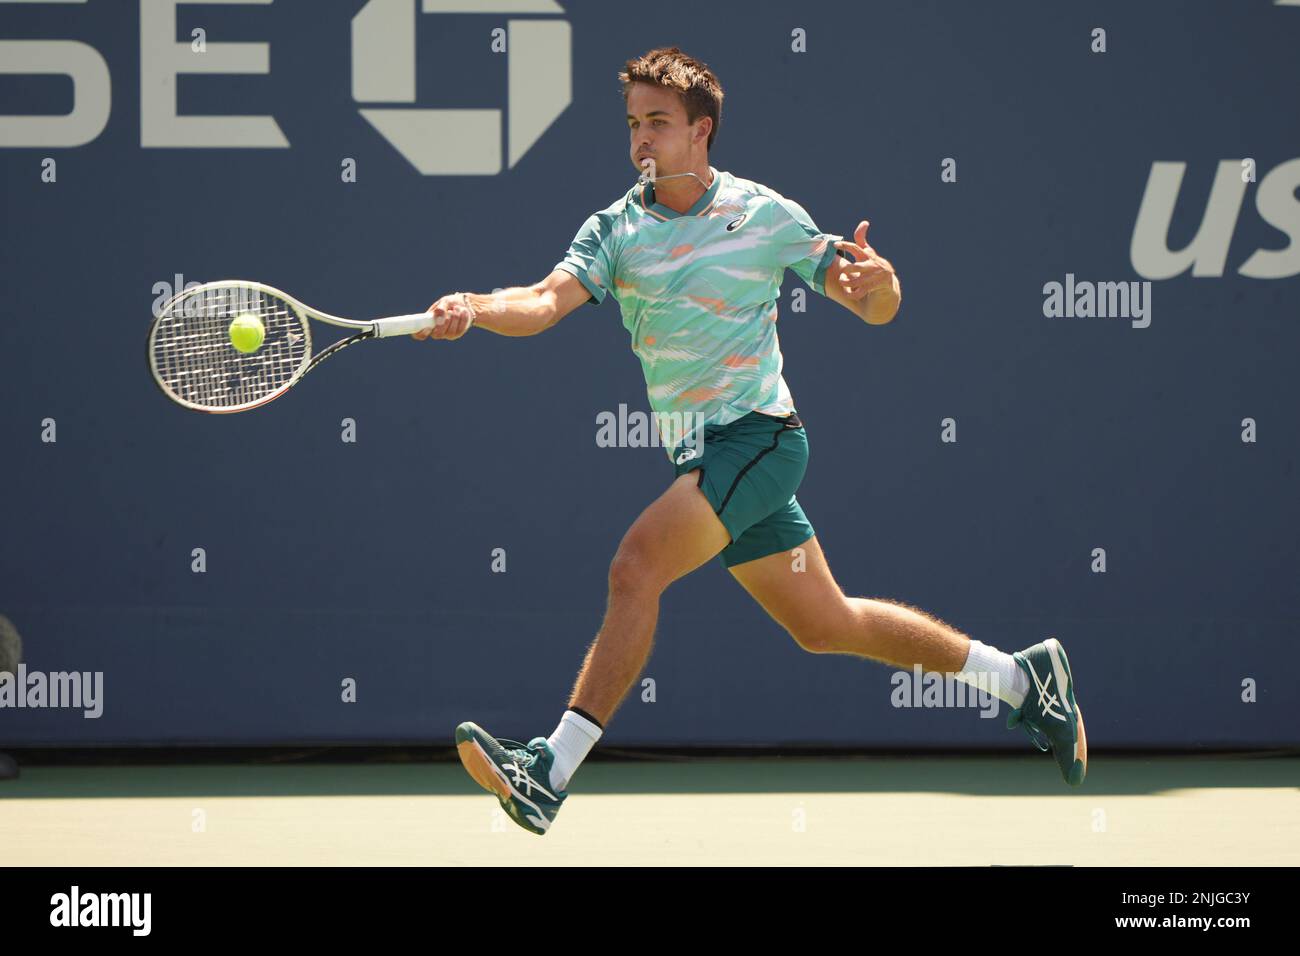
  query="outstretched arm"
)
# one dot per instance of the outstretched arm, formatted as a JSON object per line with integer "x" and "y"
{"x": 866, "y": 285}
{"x": 522, "y": 310}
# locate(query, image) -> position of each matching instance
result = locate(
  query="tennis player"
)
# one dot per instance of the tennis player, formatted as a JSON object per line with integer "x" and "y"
{"x": 695, "y": 257}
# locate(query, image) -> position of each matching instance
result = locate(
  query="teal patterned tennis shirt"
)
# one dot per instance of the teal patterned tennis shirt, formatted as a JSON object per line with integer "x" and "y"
{"x": 698, "y": 291}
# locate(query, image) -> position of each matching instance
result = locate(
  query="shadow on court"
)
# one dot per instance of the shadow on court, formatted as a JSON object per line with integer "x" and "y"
{"x": 1029, "y": 775}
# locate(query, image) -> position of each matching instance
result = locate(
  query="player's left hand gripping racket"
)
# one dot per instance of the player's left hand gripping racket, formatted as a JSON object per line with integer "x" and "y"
{"x": 194, "y": 360}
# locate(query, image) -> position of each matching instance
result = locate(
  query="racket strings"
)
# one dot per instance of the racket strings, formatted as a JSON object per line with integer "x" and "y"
{"x": 194, "y": 358}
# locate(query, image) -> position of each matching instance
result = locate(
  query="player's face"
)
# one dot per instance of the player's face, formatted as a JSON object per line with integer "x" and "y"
{"x": 657, "y": 127}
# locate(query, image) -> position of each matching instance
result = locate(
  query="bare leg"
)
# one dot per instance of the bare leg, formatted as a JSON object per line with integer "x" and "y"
{"x": 802, "y": 596}
{"x": 676, "y": 534}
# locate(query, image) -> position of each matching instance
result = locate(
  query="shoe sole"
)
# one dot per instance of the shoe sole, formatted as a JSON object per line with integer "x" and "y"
{"x": 480, "y": 766}
{"x": 485, "y": 773}
{"x": 1081, "y": 750}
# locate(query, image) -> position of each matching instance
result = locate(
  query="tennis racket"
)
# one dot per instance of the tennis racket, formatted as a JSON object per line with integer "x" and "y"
{"x": 194, "y": 361}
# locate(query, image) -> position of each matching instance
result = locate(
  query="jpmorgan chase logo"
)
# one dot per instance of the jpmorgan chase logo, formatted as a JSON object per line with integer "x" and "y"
{"x": 447, "y": 142}
{"x": 452, "y": 142}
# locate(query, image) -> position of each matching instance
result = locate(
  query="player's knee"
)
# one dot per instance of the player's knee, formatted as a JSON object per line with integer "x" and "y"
{"x": 631, "y": 572}
{"x": 814, "y": 638}
{"x": 826, "y": 633}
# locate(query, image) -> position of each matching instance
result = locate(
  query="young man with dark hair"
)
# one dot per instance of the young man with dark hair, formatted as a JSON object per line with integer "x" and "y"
{"x": 695, "y": 258}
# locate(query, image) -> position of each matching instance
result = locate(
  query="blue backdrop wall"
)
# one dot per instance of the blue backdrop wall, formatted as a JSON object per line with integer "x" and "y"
{"x": 994, "y": 147}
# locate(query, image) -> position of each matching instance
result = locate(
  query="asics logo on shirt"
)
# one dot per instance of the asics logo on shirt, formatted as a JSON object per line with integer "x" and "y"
{"x": 735, "y": 223}
{"x": 687, "y": 455}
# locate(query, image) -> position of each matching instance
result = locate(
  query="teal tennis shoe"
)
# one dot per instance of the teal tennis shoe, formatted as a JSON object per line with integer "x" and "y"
{"x": 519, "y": 775}
{"x": 1050, "y": 714}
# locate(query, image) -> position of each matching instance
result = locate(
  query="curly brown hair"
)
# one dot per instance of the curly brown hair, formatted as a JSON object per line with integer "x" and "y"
{"x": 693, "y": 81}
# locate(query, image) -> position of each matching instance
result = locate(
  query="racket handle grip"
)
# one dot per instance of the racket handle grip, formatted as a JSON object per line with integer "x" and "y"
{"x": 403, "y": 324}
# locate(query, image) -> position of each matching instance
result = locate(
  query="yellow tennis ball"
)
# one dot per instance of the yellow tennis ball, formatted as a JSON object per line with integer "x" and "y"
{"x": 247, "y": 332}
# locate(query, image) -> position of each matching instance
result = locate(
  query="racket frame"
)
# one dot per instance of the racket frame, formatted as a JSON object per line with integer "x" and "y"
{"x": 376, "y": 328}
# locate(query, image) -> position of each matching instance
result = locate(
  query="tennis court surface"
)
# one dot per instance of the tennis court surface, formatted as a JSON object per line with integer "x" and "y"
{"x": 897, "y": 810}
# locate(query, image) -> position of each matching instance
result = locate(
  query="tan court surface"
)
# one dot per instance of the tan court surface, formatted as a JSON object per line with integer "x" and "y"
{"x": 785, "y": 810}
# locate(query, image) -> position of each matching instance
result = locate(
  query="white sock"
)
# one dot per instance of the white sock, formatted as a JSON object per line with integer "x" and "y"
{"x": 572, "y": 741}
{"x": 1011, "y": 683}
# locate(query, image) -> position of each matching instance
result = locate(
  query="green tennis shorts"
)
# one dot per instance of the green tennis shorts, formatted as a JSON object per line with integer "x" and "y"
{"x": 749, "y": 470}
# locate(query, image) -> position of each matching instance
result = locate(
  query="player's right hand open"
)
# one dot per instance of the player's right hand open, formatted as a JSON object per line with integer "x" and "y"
{"x": 452, "y": 317}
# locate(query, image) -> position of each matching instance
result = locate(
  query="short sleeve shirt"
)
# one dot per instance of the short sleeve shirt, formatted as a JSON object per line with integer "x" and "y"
{"x": 698, "y": 293}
